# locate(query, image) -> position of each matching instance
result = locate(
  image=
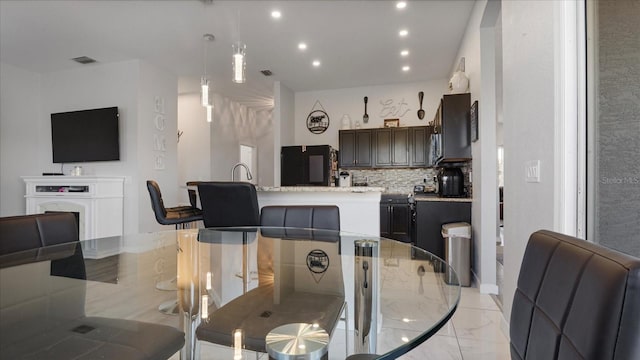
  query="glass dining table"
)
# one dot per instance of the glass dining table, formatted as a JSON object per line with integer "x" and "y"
{"x": 233, "y": 286}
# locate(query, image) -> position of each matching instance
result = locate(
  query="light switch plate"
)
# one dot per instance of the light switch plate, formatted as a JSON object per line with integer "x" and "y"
{"x": 532, "y": 171}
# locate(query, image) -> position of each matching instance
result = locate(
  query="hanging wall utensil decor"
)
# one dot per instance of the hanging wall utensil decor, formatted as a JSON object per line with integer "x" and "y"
{"x": 420, "y": 112}
{"x": 365, "y": 118}
{"x": 318, "y": 119}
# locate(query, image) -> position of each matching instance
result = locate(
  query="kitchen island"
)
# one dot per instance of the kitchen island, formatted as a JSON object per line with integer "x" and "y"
{"x": 359, "y": 205}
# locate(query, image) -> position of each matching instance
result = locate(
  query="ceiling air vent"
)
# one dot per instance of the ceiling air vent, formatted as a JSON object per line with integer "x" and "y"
{"x": 266, "y": 72}
{"x": 84, "y": 60}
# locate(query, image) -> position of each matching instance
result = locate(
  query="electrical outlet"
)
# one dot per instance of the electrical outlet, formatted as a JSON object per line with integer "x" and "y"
{"x": 532, "y": 169}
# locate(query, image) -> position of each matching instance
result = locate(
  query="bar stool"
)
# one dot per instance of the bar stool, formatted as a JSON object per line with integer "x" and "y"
{"x": 230, "y": 204}
{"x": 180, "y": 216}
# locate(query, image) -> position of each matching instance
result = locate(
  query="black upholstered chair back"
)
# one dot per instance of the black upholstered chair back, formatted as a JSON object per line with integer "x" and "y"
{"x": 157, "y": 204}
{"x": 302, "y": 216}
{"x": 575, "y": 300}
{"x": 41, "y": 321}
{"x": 19, "y": 233}
{"x": 229, "y": 204}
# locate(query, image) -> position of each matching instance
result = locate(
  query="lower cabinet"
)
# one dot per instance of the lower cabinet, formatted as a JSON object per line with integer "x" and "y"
{"x": 395, "y": 222}
{"x": 430, "y": 215}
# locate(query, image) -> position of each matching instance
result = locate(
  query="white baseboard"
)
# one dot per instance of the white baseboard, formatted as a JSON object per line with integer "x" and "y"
{"x": 485, "y": 288}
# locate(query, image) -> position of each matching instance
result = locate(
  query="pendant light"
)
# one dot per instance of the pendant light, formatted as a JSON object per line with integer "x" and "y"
{"x": 209, "y": 112}
{"x": 239, "y": 63}
{"x": 239, "y": 58}
{"x": 204, "y": 81}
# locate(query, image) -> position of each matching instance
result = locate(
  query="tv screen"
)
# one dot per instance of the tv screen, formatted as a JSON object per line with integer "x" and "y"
{"x": 87, "y": 135}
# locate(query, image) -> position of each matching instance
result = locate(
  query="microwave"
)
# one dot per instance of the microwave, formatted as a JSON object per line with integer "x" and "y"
{"x": 313, "y": 165}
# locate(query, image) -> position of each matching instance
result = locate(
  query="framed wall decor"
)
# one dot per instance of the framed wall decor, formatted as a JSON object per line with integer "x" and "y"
{"x": 389, "y": 123}
{"x": 474, "y": 121}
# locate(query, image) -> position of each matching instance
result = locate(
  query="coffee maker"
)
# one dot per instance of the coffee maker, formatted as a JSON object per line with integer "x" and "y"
{"x": 451, "y": 182}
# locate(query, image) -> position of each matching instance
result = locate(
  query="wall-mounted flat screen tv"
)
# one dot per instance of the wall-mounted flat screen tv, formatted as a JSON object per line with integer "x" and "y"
{"x": 86, "y": 135}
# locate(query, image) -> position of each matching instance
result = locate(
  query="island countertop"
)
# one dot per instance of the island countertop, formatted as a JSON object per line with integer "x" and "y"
{"x": 351, "y": 189}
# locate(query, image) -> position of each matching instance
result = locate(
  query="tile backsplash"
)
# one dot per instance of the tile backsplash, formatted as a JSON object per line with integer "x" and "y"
{"x": 401, "y": 181}
{"x": 395, "y": 180}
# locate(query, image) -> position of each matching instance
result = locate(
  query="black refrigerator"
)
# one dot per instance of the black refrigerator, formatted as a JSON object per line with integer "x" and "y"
{"x": 302, "y": 165}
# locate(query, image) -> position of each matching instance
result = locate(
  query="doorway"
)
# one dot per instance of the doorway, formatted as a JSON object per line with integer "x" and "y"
{"x": 248, "y": 156}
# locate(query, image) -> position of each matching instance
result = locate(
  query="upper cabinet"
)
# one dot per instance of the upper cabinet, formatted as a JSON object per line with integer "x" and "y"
{"x": 401, "y": 147}
{"x": 355, "y": 148}
{"x": 419, "y": 137}
{"x": 391, "y": 147}
{"x": 451, "y": 124}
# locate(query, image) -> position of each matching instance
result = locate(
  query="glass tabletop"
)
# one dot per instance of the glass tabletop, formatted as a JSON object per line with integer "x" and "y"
{"x": 232, "y": 285}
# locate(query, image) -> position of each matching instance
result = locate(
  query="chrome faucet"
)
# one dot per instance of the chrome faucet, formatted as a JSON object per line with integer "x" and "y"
{"x": 233, "y": 170}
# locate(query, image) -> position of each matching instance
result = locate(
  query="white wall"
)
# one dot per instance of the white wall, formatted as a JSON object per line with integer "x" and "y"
{"x": 528, "y": 72}
{"x": 350, "y": 101}
{"x": 20, "y": 114}
{"x": 478, "y": 47}
{"x": 208, "y": 151}
{"x": 265, "y": 149}
{"x": 283, "y": 123}
{"x": 131, "y": 86}
{"x": 194, "y": 162}
{"x": 155, "y": 84}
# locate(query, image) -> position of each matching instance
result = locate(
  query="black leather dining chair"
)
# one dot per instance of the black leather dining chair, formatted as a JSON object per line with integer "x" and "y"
{"x": 180, "y": 216}
{"x": 49, "y": 322}
{"x": 575, "y": 300}
{"x": 323, "y": 307}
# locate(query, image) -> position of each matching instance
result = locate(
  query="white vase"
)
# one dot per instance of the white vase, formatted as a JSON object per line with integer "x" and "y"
{"x": 346, "y": 122}
{"x": 459, "y": 83}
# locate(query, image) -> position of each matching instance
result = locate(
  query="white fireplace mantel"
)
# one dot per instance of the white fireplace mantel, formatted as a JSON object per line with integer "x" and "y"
{"x": 97, "y": 200}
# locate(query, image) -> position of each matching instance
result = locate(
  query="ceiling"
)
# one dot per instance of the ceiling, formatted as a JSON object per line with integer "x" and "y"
{"x": 357, "y": 42}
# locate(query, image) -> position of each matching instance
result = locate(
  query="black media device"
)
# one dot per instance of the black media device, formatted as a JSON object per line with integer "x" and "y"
{"x": 86, "y": 135}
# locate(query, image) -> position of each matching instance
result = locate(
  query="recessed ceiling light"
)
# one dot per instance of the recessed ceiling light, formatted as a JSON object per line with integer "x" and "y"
{"x": 276, "y": 14}
{"x": 406, "y": 68}
{"x": 302, "y": 46}
{"x": 404, "y": 53}
{"x": 401, "y": 4}
{"x": 403, "y": 32}
{"x": 316, "y": 63}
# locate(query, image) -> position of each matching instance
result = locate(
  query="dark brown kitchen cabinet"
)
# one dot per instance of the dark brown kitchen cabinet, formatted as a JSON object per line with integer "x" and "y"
{"x": 395, "y": 221}
{"x": 451, "y": 121}
{"x": 355, "y": 148}
{"x": 392, "y": 147}
{"x": 418, "y": 146}
{"x": 430, "y": 215}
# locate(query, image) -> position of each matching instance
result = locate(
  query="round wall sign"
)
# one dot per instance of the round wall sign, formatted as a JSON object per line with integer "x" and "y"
{"x": 317, "y": 261}
{"x": 318, "y": 121}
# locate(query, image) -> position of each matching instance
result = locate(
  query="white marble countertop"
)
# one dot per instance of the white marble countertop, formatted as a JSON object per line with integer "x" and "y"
{"x": 355, "y": 189}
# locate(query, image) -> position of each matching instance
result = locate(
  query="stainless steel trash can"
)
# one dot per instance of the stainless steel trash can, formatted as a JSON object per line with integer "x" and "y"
{"x": 457, "y": 251}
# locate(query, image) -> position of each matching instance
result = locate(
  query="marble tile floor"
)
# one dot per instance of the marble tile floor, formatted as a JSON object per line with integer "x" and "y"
{"x": 474, "y": 333}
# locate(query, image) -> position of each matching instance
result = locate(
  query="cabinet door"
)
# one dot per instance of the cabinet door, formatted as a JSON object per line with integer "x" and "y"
{"x": 418, "y": 148}
{"x": 347, "y": 141}
{"x": 400, "y": 147}
{"x": 392, "y": 147}
{"x": 430, "y": 215}
{"x": 456, "y": 136}
{"x": 400, "y": 223}
{"x": 363, "y": 148}
{"x": 383, "y": 147}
